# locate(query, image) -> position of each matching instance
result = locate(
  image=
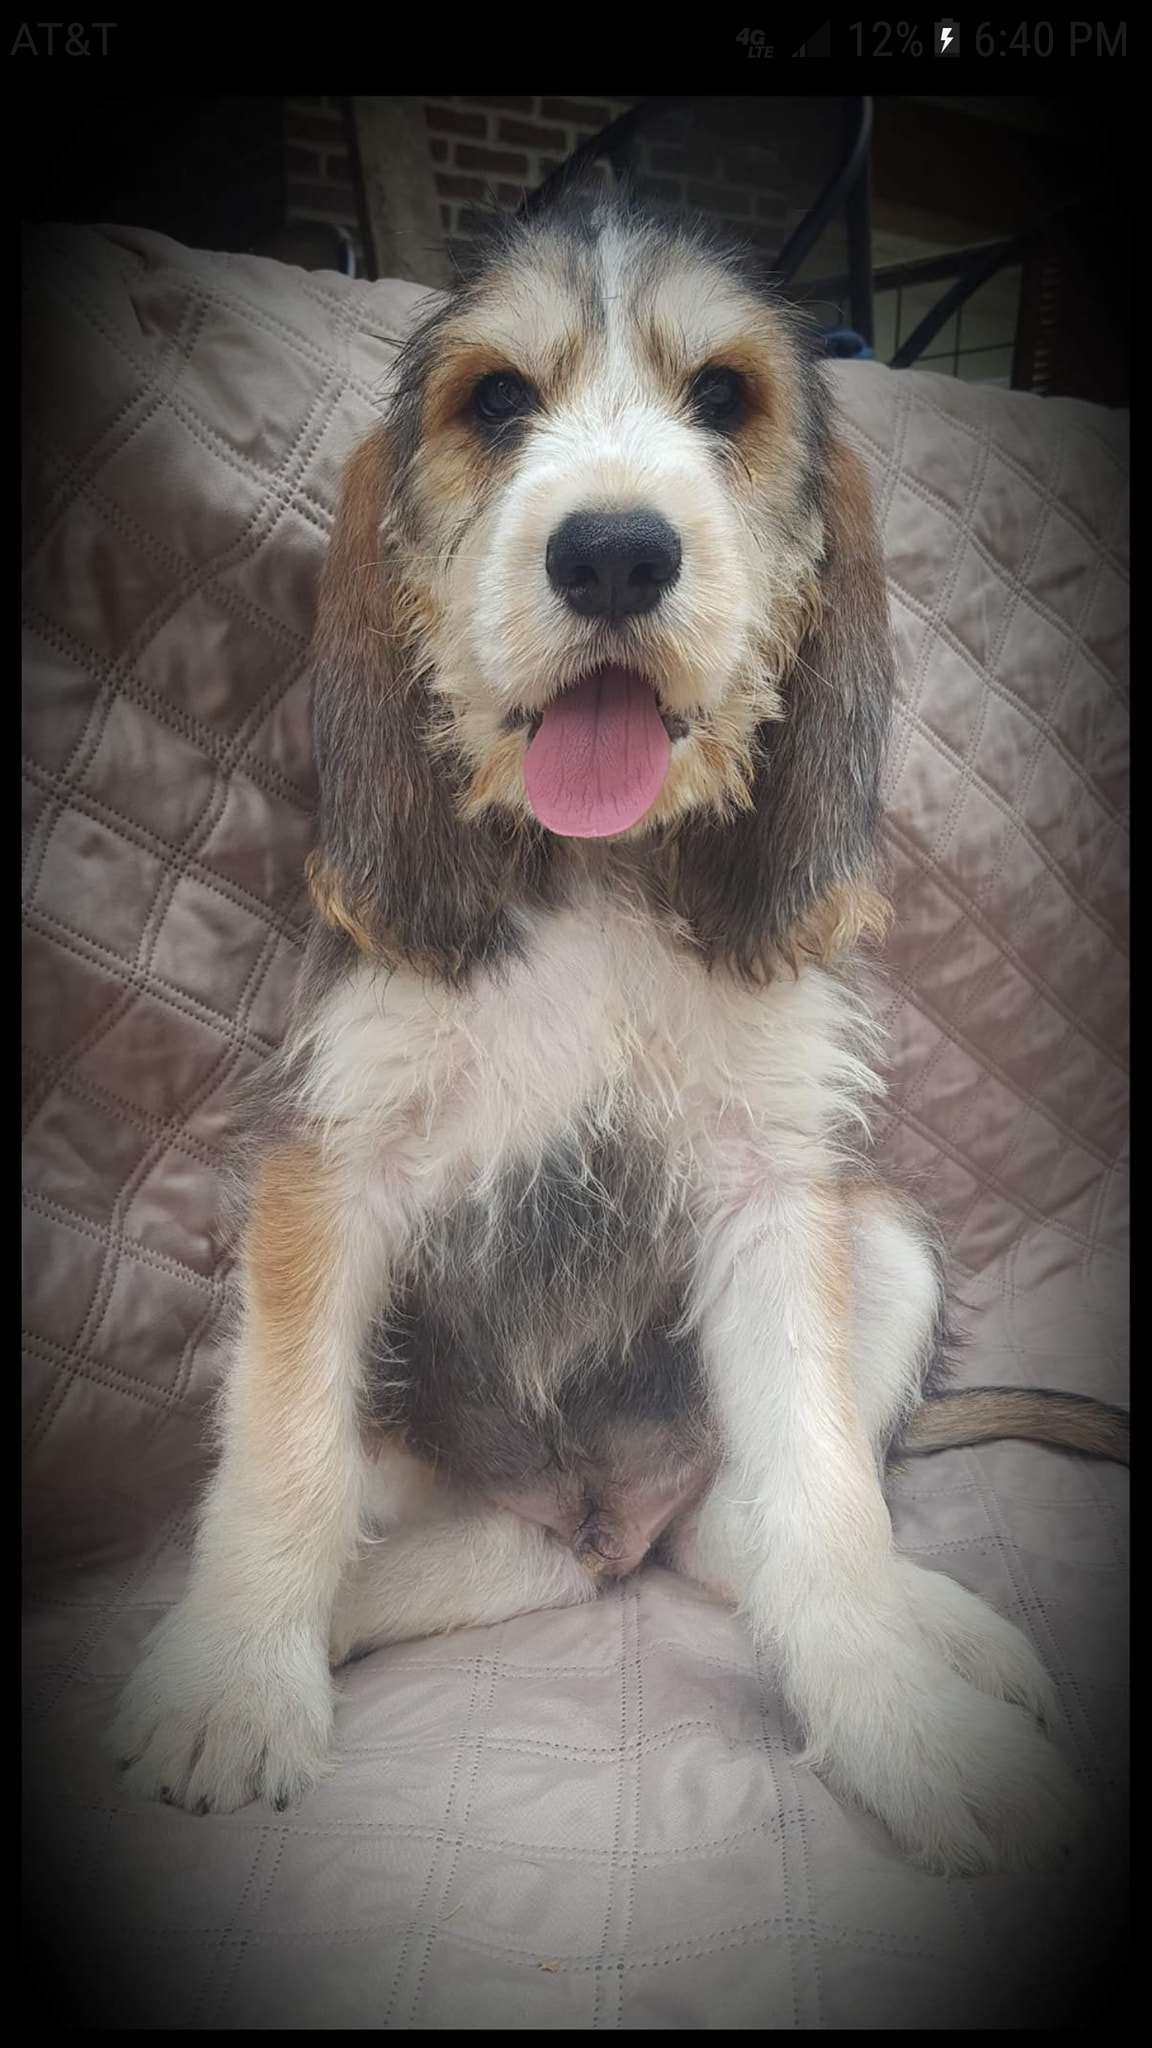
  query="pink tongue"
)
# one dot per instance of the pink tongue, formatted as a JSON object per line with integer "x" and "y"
{"x": 600, "y": 757}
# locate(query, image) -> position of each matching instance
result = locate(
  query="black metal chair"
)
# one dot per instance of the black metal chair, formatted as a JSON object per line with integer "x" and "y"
{"x": 964, "y": 272}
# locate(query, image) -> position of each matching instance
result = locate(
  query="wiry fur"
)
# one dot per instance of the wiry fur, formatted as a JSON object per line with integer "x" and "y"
{"x": 560, "y": 1246}
{"x": 773, "y": 647}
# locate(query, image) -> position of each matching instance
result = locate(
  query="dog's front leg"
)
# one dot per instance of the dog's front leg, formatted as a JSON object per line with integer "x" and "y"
{"x": 797, "y": 1533}
{"x": 233, "y": 1698}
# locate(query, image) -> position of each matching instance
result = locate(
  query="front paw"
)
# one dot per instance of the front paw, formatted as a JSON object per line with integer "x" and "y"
{"x": 965, "y": 1782}
{"x": 214, "y": 1718}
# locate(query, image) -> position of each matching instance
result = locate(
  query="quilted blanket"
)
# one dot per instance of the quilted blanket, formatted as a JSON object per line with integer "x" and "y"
{"x": 576, "y": 1820}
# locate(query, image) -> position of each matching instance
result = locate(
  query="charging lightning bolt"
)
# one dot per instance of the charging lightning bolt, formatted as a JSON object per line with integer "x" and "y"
{"x": 945, "y": 39}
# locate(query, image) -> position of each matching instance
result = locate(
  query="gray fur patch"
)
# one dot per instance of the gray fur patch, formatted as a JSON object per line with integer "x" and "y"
{"x": 535, "y": 1338}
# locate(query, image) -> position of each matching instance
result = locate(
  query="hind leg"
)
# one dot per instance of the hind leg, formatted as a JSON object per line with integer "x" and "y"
{"x": 439, "y": 1563}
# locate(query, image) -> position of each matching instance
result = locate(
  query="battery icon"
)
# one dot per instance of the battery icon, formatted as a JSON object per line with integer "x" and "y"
{"x": 947, "y": 39}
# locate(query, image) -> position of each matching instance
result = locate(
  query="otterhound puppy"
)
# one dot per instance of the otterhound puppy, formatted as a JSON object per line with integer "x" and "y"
{"x": 557, "y": 1245}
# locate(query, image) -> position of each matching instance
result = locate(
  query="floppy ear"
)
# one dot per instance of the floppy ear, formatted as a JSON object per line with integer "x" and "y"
{"x": 395, "y": 868}
{"x": 790, "y": 876}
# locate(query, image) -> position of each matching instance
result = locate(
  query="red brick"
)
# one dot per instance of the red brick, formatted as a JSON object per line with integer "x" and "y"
{"x": 692, "y": 162}
{"x": 438, "y": 151}
{"x": 719, "y": 199}
{"x": 302, "y": 163}
{"x": 339, "y": 200}
{"x": 459, "y": 188}
{"x": 509, "y": 102}
{"x": 470, "y": 159}
{"x": 449, "y": 121}
{"x": 763, "y": 171}
{"x": 545, "y": 165}
{"x": 529, "y": 136}
{"x": 473, "y": 220}
{"x": 568, "y": 111}
{"x": 327, "y": 128}
{"x": 509, "y": 195}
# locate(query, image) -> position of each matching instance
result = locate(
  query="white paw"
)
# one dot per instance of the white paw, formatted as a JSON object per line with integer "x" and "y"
{"x": 988, "y": 1651}
{"x": 212, "y": 1719}
{"x": 964, "y": 1781}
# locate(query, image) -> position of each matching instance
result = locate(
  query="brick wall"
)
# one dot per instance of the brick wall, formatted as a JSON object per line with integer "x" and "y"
{"x": 490, "y": 150}
{"x": 486, "y": 150}
{"x": 317, "y": 165}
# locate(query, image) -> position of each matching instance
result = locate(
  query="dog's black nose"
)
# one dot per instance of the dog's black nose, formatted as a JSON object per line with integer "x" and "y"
{"x": 613, "y": 565}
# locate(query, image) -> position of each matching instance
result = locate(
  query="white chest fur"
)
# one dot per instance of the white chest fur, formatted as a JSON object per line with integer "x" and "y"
{"x": 607, "y": 1015}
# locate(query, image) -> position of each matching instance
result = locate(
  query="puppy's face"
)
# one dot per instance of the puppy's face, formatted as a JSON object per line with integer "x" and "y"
{"x": 608, "y": 570}
{"x": 605, "y": 524}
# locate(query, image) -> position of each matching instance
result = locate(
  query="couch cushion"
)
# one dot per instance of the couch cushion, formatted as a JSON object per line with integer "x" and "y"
{"x": 590, "y": 1819}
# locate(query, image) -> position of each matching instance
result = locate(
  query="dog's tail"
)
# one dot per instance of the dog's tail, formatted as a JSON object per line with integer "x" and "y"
{"x": 980, "y": 1415}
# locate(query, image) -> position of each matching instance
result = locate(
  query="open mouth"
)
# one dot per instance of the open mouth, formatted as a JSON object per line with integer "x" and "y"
{"x": 598, "y": 754}
{"x": 677, "y": 728}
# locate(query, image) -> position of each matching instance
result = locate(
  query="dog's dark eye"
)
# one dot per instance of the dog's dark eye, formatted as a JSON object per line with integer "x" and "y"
{"x": 718, "y": 397}
{"x": 502, "y": 397}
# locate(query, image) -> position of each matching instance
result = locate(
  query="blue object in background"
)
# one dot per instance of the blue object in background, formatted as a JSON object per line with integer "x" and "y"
{"x": 844, "y": 341}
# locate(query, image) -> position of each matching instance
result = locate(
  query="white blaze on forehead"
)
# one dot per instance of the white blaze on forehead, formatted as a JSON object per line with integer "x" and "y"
{"x": 685, "y": 301}
{"x": 595, "y": 311}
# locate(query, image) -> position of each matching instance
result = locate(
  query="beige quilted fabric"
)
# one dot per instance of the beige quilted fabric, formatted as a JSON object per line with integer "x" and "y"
{"x": 575, "y": 1820}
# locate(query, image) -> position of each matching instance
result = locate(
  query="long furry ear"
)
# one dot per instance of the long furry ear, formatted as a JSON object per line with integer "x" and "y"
{"x": 395, "y": 867}
{"x": 791, "y": 876}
